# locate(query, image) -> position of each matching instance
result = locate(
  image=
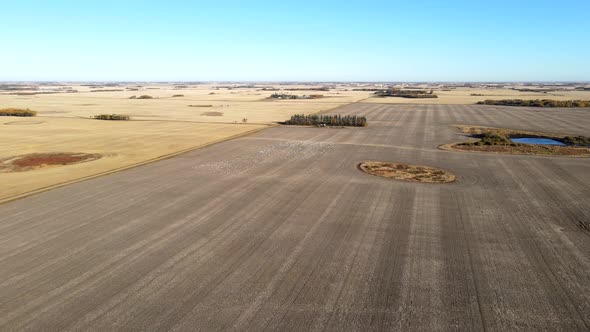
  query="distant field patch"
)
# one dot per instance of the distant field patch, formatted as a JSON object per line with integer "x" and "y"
{"x": 405, "y": 172}
{"x": 212, "y": 113}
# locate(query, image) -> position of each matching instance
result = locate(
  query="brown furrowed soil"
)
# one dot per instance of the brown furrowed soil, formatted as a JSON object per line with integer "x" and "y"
{"x": 280, "y": 231}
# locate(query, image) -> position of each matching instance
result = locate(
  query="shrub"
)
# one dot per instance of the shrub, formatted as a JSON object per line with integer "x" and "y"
{"x": 121, "y": 117}
{"x": 17, "y": 112}
{"x": 576, "y": 140}
{"x": 145, "y": 97}
{"x": 174, "y": 96}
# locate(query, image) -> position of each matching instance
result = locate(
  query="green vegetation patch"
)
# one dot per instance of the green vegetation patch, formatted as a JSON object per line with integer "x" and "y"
{"x": 17, "y": 112}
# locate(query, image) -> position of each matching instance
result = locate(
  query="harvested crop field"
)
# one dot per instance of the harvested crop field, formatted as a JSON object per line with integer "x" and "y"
{"x": 120, "y": 143}
{"x": 280, "y": 231}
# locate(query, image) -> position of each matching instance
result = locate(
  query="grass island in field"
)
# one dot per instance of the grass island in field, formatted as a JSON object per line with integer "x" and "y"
{"x": 405, "y": 172}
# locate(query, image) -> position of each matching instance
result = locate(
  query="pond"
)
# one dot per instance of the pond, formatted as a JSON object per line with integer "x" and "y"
{"x": 536, "y": 140}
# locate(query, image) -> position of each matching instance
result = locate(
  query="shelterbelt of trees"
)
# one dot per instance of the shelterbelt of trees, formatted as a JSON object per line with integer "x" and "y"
{"x": 537, "y": 103}
{"x": 327, "y": 120}
{"x": 406, "y": 93}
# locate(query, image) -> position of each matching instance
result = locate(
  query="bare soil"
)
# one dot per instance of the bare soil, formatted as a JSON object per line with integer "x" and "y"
{"x": 38, "y": 160}
{"x": 413, "y": 173}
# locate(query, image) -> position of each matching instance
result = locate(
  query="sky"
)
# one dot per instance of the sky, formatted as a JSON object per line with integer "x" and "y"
{"x": 393, "y": 41}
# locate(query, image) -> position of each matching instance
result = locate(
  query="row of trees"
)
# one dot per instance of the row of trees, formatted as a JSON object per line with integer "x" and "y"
{"x": 17, "y": 112}
{"x": 537, "y": 103}
{"x": 406, "y": 93}
{"x": 290, "y": 96}
{"x": 327, "y": 120}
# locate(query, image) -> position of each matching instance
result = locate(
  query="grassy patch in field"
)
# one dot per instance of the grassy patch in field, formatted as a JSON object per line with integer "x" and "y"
{"x": 405, "y": 172}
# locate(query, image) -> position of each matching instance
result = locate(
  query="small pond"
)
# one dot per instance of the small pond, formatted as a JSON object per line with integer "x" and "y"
{"x": 536, "y": 140}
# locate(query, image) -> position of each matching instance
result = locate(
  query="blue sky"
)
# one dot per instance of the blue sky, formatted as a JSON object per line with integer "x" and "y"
{"x": 295, "y": 40}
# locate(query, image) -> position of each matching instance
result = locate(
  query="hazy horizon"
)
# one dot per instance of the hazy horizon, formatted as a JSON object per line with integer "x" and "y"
{"x": 302, "y": 41}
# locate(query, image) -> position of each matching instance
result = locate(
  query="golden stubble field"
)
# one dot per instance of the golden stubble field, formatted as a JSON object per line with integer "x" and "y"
{"x": 196, "y": 103}
{"x": 159, "y": 127}
{"x": 121, "y": 144}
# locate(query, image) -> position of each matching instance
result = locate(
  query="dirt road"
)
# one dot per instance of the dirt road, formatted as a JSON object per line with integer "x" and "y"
{"x": 280, "y": 231}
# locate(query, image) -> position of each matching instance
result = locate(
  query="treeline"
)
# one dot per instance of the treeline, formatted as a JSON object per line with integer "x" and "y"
{"x": 324, "y": 88}
{"x": 537, "y": 103}
{"x": 406, "y": 93}
{"x": 290, "y": 96}
{"x": 17, "y": 112}
{"x": 327, "y": 120}
{"x": 112, "y": 117}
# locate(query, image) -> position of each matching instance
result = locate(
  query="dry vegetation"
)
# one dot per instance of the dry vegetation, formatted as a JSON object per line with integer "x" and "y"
{"x": 17, "y": 112}
{"x": 117, "y": 117}
{"x": 412, "y": 173}
{"x": 33, "y": 161}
